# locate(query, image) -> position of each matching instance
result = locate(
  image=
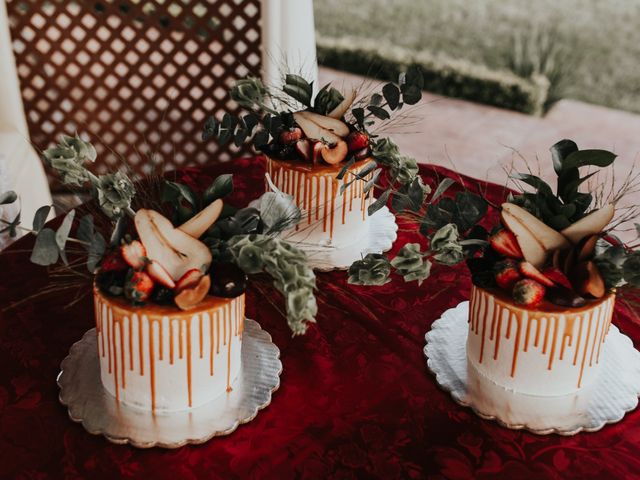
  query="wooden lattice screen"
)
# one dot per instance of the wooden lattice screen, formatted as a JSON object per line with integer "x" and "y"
{"x": 138, "y": 77}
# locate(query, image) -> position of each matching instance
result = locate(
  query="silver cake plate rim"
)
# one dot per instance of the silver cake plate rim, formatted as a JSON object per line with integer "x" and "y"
{"x": 440, "y": 361}
{"x": 258, "y": 350}
{"x": 382, "y": 232}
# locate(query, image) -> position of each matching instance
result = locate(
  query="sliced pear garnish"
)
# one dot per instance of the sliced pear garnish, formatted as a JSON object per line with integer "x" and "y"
{"x": 314, "y": 131}
{"x": 344, "y": 105}
{"x": 175, "y": 250}
{"x": 549, "y": 238}
{"x": 532, "y": 249}
{"x": 201, "y": 222}
{"x": 592, "y": 224}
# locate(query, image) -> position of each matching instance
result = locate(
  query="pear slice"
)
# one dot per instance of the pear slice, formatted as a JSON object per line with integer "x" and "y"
{"x": 592, "y": 224}
{"x": 334, "y": 125}
{"x": 314, "y": 131}
{"x": 532, "y": 249}
{"x": 201, "y": 222}
{"x": 175, "y": 250}
{"x": 547, "y": 236}
{"x": 343, "y": 106}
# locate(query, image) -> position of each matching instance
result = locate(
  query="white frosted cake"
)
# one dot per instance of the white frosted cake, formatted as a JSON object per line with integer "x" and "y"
{"x": 544, "y": 350}
{"x": 330, "y": 217}
{"x": 161, "y": 358}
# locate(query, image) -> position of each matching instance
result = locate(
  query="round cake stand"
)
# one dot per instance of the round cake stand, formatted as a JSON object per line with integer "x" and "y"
{"x": 100, "y": 414}
{"x": 606, "y": 400}
{"x": 382, "y": 232}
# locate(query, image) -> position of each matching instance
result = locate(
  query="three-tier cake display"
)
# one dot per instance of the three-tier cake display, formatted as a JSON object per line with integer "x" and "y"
{"x": 321, "y": 150}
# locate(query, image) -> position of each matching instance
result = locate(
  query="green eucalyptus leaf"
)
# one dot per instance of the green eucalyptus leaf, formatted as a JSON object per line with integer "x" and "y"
{"x": 261, "y": 138}
{"x": 571, "y": 188}
{"x": 358, "y": 114}
{"x": 297, "y": 93}
{"x": 219, "y": 188}
{"x": 536, "y": 182}
{"x": 379, "y": 112}
{"x": 376, "y": 99}
{"x": 411, "y": 95}
{"x": 560, "y": 151}
{"x": 343, "y": 171}
{"x": 85, "y": 230}
{"x": 374, "y": 269}
{"x": 631, "y": 269}
{"x": 583, "y": 158}
{"x": 380, "y": 202}
{"x": 45, "y": 250}
{"x": 40, "y": 217}
{"x": 391, "y": 95}
{"x": 471, "y": 208}
{"x": 211, "y": 128}
{"x": 8, "y": 197}
{"x": 442, "y": 187}
{"x": 372, "y": 181}
{"x": 62, "y": 234}
{"x": 174, "y": 193}
{"x": 96, "y": 250}
{"x": 414, "y": 77}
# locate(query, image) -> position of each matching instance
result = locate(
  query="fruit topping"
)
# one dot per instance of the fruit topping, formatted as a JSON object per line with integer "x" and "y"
{"x": 138, "y": 287}
{"x": 546, "y": 236}
{"x": 202, "y": 221}
{"x": 532, "y": 272}
{"x": 588, "y": 247}
{"x": 175, "y": 250}
{"x": 113, "y": 262}
{"x": 587, "y": 279}
{"x": 163, "y": 295}
{"x": 314, "y": 131}
{"x": 338, "y": 127}
{"x": 505, "y": 243}
{"x": 528, "y": 292}
{"x": 344, "y": 105}
{"x": 592, "y": 224}
{"x": 134, "y": 254}
{"x": 190, "y": 297}
{"x": 336, "y": 153}
{"x": 290, "y": 135}
{"x": 316, "y": 152}
{"x": 557, "y": 277}
{"x": 303, "y": 147}
{"x": 565, "y": 297}
{"x": 227, "y": 280}
{"x": 189, "y": 279}
{"x": 357, "y": 141}
{"x": 506, "y": 274}
{"x": 159, "y": 274}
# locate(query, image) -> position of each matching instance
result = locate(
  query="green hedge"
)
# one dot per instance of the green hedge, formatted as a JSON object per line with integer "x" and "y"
{"x": 444, "y": 76}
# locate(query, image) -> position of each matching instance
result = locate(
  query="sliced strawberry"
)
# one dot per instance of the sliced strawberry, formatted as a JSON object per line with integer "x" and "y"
{"x": 134, "y": 254}
{"x": 506, "y": 274}
{"x": 189, "y": 279}
{"x": 160, "y": 274}
{"x": 138, "y": 287}
{"x": 290, "y": 135}
{"x": 113, "y": 262}
{"x": 505, "y": 243}
{"x": 303, "y": 147}
{"x": 529, "y": 271}
{"x": 557, "y": 276}
{"x": 357, "y": 141}
{"x": 528, "y": 292}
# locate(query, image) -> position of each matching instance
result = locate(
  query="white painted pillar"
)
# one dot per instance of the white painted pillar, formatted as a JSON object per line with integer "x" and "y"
{"x": 288, "y": 41}
{"x": 11, "y": 110}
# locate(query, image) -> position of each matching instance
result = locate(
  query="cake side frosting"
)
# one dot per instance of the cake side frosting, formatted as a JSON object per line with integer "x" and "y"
{"x": 164, "y": 359}
{"x": 330, "y": 217}
{"x": 544, "y": 351}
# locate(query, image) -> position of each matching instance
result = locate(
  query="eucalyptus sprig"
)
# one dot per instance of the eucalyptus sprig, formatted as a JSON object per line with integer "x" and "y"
{"x": 287, "y": 266}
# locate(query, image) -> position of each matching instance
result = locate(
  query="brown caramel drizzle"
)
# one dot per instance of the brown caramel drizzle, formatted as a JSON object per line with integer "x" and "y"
{"x": 291, "y": 177}
{"x": 119, "y": 320}
{"x": 522, "y": 320}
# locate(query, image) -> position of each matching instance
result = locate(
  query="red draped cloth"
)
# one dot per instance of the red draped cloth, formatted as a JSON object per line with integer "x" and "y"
{"x": 356, "y": 399}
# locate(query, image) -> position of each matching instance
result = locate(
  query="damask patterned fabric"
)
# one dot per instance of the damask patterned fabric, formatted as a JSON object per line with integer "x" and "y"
{"x": 356, "y": 399}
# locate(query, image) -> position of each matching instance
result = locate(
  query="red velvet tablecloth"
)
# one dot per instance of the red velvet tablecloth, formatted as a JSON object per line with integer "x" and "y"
{"x": 356, "y": 399}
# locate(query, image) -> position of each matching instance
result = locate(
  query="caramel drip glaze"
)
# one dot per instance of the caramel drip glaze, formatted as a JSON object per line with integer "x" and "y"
{"x": 559, "y": 332}
{"x": 124, "y": 330}
{"x": 316, "y": 190}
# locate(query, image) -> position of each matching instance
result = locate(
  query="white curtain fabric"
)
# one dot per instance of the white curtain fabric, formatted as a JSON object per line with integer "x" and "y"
{"x": 20, "y": 166}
